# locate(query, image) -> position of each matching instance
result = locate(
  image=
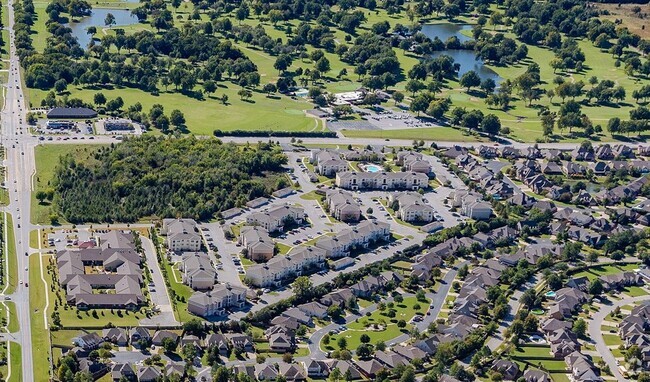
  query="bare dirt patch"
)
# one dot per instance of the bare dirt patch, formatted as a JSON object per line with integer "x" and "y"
{"x": 625, "y": 13}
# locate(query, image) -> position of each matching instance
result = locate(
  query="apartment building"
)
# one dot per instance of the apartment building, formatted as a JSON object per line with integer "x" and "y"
{"x": 282, "y": 268}
{"x": 182, "y": 235}
{"x": 413, "y": 161}
{"x": 343, "y": 206}
{"x": 328, "y": 162}
{"x": 411, "y": 207}
{"x": 352, "y": 180}
{"x": 276, "y": 217}
{"x": 361, "y": 236}
{"x": 217, "y": 301}
{"x": 198, "y": 272}
{"x": 259, "y": 245}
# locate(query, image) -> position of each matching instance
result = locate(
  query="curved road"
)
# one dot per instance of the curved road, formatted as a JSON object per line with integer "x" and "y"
{"x": 597, "y": 336}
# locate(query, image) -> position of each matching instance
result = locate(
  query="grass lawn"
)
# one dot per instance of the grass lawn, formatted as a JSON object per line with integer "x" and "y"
{"x": 15, "y": 356}
{"x": 426, "y": 133}
{"x": 612, "y": 339}
{"x": 12, "y": 262}
{"x": 4, "y": 197}
{"x": 363, "y": 303}
{"x": 40, "y": 337}
{"x": 47, "y": 158}
{"x": 13, "y": 324}
{"x": 532, "y": 351}
{"x": 635, "y": 291}
{"x": 603, "y": 270}
{"x": 402, "y": 265}
{"x": 34, "y": 239}
{"x": 404, "y": 311}
{"x": 559, "y": 377}
{"x": 283, "y": 249}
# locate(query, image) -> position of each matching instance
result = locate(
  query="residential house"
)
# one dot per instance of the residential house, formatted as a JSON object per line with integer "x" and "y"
{"x": 508, "y": 369}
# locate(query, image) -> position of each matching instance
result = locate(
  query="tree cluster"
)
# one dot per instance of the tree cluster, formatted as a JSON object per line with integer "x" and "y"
{"x": 152, "y": 176}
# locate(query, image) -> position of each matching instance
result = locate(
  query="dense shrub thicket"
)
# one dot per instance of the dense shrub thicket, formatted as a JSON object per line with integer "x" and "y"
{"x": 152, "y": 176}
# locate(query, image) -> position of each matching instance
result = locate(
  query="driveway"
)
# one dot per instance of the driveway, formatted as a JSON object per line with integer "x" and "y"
{"x": 159, "y": 295}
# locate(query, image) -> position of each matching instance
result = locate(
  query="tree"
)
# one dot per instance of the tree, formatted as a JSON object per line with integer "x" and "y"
{"x": 209, "y": 87}
{"x": 224, "y": 99}
{"x": 342, "y": 343}
{"x": 596, "y": 287}
{"x": 579, "y": 327}
{"x": 323, "y": 65}
{"x": 269, "y": 89}
{"x": 99, "y": 99}
{"x": 169, "y": 345}
{"x": 275, "y": 16}
{"x": 302, "y": 288}
{"x": 491, "y": 124}
{"x": 244, "y": 94}
{"x": 469, "y": 80}
{"x": 177, "y": 118}
{"x": 398, "y": 97}
{"x": 548, "y": 122}
{"x": 109, "y": 21}
{"x": 401, "y": 324}
{"x": 41, "y": 195}
{"x": 364, "y": 350}
{"x": 488, "y": 85}
{"x": 365, "y": 338}
{"x": 529, "y": 298}
{"x": 60, "y": 85}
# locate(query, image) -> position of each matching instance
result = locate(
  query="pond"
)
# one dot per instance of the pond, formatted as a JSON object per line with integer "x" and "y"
{"x": 123, "y": 17}
{"x": 466, "y": 58}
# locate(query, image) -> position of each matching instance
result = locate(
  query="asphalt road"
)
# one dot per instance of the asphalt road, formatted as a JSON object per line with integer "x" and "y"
{"x": 20, "y": 165}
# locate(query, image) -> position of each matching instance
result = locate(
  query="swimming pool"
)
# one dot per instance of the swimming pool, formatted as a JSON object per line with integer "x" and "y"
{"x": 373, "y": 168}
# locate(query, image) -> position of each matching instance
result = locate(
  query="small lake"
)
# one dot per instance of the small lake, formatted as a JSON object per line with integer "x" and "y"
{"x": 123, "y": 18}
{"x": 466, "y": 58}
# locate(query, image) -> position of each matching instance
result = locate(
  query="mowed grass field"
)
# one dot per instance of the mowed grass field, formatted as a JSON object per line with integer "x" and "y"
{"x": 47, "y": 158}
{"x": 204, "y": 116}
